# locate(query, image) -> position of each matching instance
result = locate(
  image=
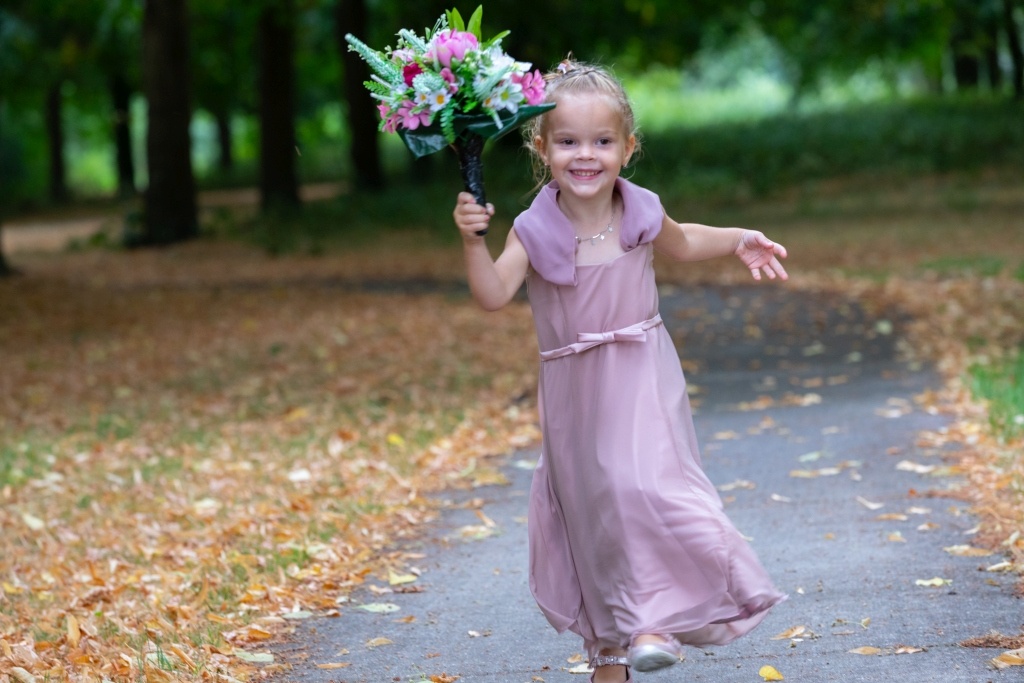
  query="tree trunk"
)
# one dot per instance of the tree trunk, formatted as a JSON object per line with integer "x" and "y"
{"x": 1013, "y": 40}
{"x": 278, "y": 182}
{"x": 55, "y": 134}
{"x": 5, "y": 269}
{"x": 121, "y": 94}
{"x": 226, "y": 157}
{"x": 364, "y": 150}
{"x": 170, "y": 199}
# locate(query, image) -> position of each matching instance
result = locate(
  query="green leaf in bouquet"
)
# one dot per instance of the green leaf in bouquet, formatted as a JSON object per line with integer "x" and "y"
{"x": 455, "y": 20}
{"x": 424, "y": 140}
{"x": 429, "y": 139}
{"x": 474, "y": 22}
{"x": 485, "y": 127}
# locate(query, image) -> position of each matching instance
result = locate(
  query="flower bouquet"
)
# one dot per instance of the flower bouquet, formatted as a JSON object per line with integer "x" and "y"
{"x": 450, "y": 88}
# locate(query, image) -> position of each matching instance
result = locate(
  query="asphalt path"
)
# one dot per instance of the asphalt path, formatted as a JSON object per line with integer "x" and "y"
{"x": 805, "y": 409}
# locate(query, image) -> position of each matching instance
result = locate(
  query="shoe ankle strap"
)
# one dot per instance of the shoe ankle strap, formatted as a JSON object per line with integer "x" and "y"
{"x": 608, "y": 660}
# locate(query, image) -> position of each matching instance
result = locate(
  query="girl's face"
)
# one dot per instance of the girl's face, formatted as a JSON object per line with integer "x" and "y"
{"x": 586, "y": 145}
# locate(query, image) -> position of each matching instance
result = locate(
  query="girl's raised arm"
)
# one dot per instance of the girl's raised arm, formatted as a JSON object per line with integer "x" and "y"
{"x": 696, "y": 242}
{"x": 493, "y": 283}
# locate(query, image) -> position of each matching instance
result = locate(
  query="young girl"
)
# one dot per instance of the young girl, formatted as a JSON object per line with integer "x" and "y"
{"x": 629, "y": 547}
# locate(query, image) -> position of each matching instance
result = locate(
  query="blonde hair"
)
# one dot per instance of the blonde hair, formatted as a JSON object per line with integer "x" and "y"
{"x": 577, "y": 78}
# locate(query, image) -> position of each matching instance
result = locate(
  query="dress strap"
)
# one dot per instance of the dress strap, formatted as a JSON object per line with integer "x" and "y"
{"x": 588, "y": 340}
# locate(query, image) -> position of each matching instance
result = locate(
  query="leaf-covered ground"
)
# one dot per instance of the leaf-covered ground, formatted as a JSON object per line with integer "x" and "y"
{"x": 201, "y": 444}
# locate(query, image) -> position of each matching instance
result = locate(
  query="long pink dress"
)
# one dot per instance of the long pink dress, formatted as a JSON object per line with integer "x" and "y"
{"x": 627, "y": 534}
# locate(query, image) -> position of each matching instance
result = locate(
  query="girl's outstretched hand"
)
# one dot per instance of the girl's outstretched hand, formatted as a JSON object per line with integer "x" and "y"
{"x": 470, "y": 217}
{"x": 760, "y": 254}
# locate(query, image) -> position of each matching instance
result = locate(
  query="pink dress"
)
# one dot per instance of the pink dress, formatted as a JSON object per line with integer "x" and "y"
{"x": 627, "y": 534}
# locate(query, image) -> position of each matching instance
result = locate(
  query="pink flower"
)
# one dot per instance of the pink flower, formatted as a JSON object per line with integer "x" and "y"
{"x": 453, "y": 83}
{"x": 533, "y": 86}
{"x": 411, "y": 71}
{"x": 410, "y": 120}
{"x": 390, "y": 121}
{"x": 451, "y": 46}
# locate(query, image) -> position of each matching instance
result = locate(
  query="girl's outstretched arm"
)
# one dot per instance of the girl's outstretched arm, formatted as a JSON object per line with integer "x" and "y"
{"x": 493, "y": 283}
{"x": 696, "y": 242}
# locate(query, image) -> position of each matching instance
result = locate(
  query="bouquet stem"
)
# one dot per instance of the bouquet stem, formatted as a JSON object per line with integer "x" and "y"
{"x": 470, "y": 149}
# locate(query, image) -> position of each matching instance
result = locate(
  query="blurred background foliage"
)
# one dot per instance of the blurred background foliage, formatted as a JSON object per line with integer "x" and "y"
{"x": 735, "y": 98}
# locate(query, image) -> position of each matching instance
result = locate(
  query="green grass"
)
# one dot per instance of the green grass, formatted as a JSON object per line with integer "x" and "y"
{"x": 979, "y": 266}
{"x": 1001, "y": 384}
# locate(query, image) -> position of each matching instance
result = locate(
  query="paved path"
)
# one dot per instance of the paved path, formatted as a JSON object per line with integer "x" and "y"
{"x": 837, "y": 398}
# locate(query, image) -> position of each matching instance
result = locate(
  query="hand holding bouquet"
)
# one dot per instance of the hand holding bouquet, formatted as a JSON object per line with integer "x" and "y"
{"x": 451, "y": 88}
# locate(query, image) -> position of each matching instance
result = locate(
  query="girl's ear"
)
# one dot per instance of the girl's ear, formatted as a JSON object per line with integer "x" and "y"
{"x": 630, "y": 148}
{"x": 538, "y": 144}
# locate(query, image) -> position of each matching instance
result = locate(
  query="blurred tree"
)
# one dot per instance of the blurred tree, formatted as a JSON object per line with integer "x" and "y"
{"x": 170, "y": 200}
{"x": 351, "y": 16}
{"x": 117, "y": 49}
{"x": 223, "y": 66}
{"x": 276, "y": 39}
{"x": 1013, "y": 42}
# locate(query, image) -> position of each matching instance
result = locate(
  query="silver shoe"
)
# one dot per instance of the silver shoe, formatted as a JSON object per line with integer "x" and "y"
{"x": 654, "y": 656}
{"x": 610, "y": 660}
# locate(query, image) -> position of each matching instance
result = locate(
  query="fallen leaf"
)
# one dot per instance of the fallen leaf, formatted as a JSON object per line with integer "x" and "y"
{"x": 443, "y": 678}
{"x": 866, "y": 650}
{"x": 870, "y": 505}
{"x": 967, "y": 551}
{"x": 297, "y": 614}
{"x": 334, "y": 665}
{"x": 581, "y": 669}
{"x": 792, "y": 632}
{"x": 896, "y": 537}
{"x": 406, "y": 619}
{"x": 379, "y": 607}
{"x": 1004, "y": 566}
{"x": 575, "y": 659}
{"x": 1009, "y": 658}
{"x": 738, "y": 484}
{"x": 378, "y": 642}
{"x": 21, "y": 675}
{"x": 780, "y": 499}
{"x": 907, "y": 650}
{"x": 908, "y": 466}
{"x": 255, "y": 657}
{"x": 892, "y": 517}
{"x": 396, "y": 579}
{"x": 769, "y": 673}
{"x": 936, "y": 582}
{"x": 33, "y": 522}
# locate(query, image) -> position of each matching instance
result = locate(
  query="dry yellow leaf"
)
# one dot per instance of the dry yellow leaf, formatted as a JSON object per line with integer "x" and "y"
{"x": 396, "y": 579}
{"x": 769, "y": 673}
{"x": 892, "y": 517}
{"x": 907, "y": 650}
{"x": 378, "y": 642}
{"x": 74, "y": 634}
{"x": 866, "y": 650}
{"x": 1009, "y": 658}
{"x": 21, "y": 675}
{"x": 792, "y": 632}
{"x": 967, "y": 551}
{"x": 334, "y": 665}
{"x": 936, "y": 582}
